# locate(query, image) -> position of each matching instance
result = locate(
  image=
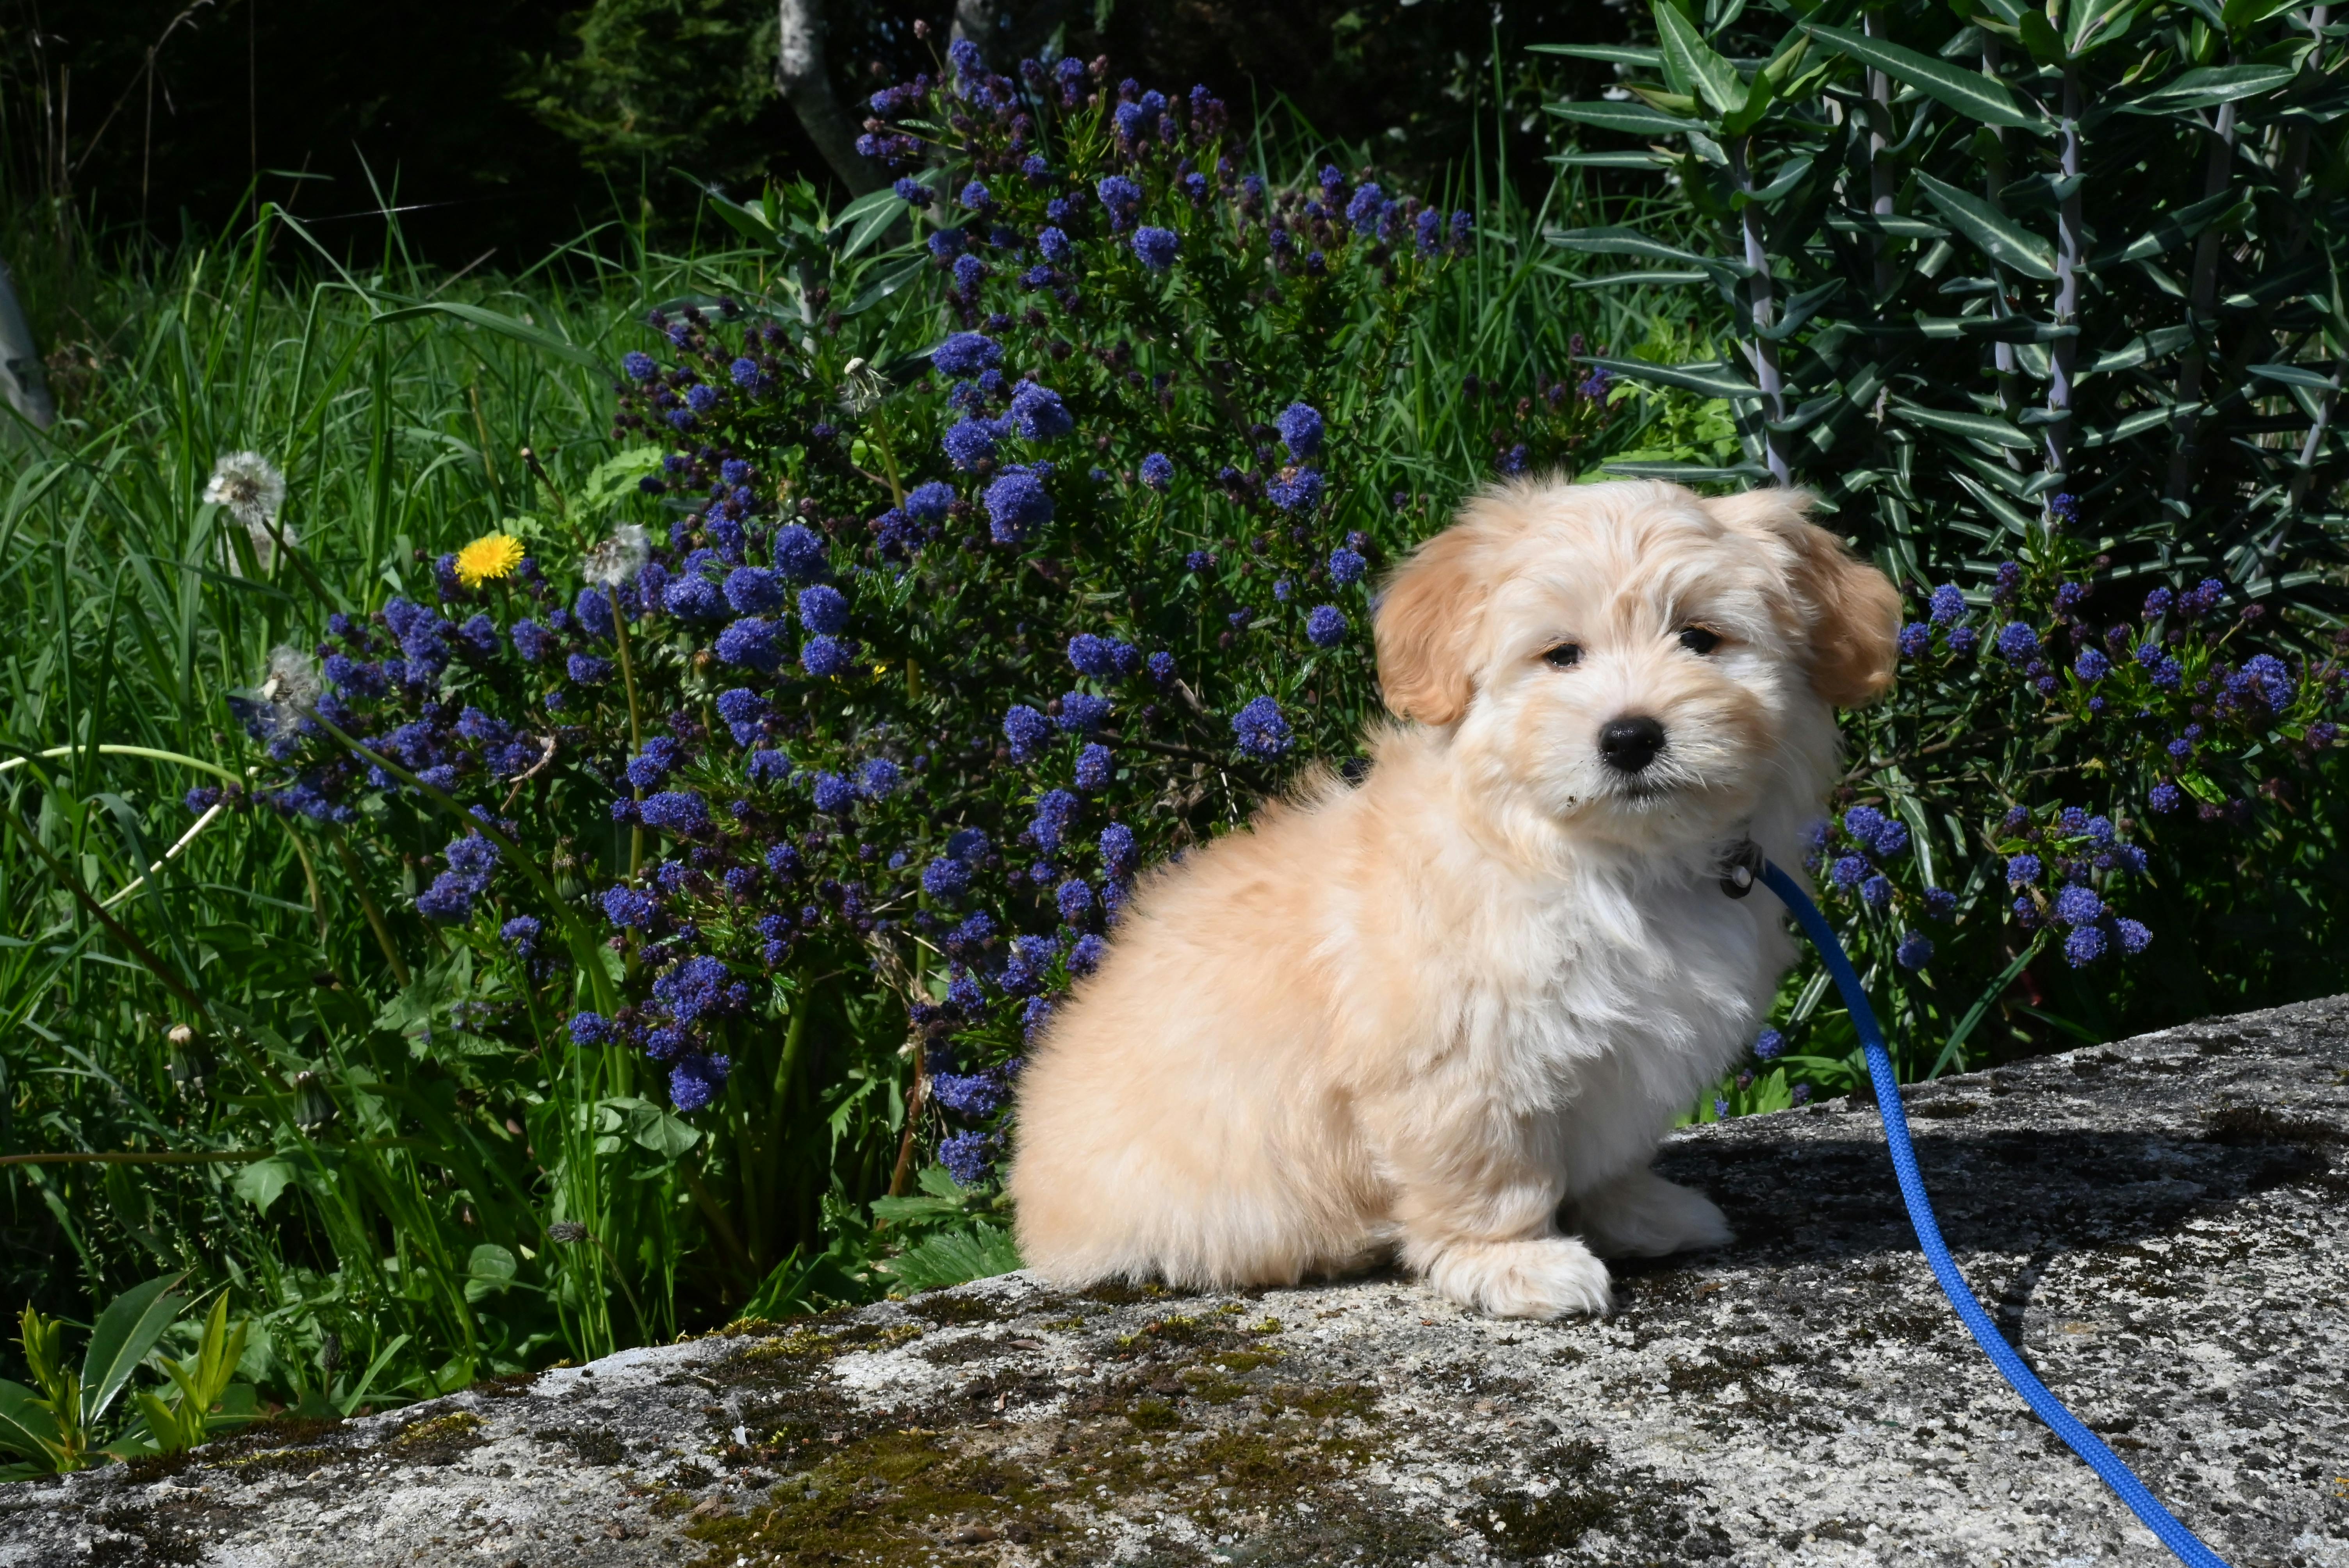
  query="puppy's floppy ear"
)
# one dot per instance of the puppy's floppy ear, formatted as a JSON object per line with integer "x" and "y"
{"x": 1426, "y": 622}
{"x": 1851, "y": 611}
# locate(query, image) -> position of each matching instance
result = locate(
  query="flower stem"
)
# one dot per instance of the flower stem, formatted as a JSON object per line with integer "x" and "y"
{"x": 635, "y": 726}
{"x": 888, "y": 456}
{"x": 358, "y": 875}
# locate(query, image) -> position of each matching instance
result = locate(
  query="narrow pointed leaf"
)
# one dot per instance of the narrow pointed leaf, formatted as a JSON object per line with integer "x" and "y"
{"x": 1998, "y": 236}
{"x": 2173, "y": 229}
{"x": 2210, "y": 87}
{"x": 1669, "y": 102}
{"x": 1689, "y": 57}
{"x": 2242, "y": 14}
{"x": 125, "y": 1332}
{"x": 2295, "y": 376}
{"x": 1608, "y": 160}
{"x": 1630, "y": 118}
{"x": 1713, "y": 380}
{"x": 1973, "y": 426}
{"x": 27, "y": 1427}
{"x": 1802, "y": 307}
{"x": 1790, "y": 174}
{"x": 505, "y": 326}
{"x": 1971, "y": 93}
{"x": 1622, "y": 243}
{"x": 1612, "y": 54}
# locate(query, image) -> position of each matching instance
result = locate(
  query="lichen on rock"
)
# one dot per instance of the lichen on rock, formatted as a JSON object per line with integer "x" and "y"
{"x": 2158, "y": 1224}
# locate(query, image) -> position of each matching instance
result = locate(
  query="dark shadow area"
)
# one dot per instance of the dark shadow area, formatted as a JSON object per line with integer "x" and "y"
{"x": 1832, "y": 1200}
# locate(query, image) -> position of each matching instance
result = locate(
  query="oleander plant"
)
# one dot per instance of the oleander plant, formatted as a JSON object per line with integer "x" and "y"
{"x": 2043, "y": 303}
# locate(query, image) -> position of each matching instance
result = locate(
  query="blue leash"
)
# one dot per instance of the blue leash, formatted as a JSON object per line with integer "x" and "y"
{"x": 2183, "y": 1543}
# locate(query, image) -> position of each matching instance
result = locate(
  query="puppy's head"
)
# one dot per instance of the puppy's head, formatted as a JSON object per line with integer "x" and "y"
{"x": 1634, "y": 658}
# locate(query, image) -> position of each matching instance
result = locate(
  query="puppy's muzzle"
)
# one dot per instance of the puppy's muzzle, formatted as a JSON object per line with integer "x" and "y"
{"x": 1629, "y": 744}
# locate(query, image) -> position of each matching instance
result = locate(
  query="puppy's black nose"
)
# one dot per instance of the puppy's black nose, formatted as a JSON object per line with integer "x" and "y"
{"x": 1627, "y": 745}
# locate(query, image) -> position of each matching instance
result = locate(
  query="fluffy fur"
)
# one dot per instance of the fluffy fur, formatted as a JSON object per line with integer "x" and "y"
{"x": 1433, "y": 1015}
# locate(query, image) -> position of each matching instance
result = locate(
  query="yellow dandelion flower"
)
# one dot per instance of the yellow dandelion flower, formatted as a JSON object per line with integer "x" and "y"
{"x": 491, "y": 555}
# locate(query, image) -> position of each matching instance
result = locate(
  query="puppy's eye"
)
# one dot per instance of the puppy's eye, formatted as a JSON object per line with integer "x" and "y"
{"x": 1698, "y": 640}
{"x": 1564, "y": 657}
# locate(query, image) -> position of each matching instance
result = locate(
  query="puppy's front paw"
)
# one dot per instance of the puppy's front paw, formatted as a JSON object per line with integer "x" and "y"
{"x": 1645, "y": 1216}
{"x": 1551, "y": 1277}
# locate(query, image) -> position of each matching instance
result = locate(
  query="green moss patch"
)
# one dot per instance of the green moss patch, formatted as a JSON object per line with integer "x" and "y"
{"x": 439, "y": 1439}
{"x": 894, "y": 1498}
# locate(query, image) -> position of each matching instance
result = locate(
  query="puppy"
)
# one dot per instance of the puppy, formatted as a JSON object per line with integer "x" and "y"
{"x": 1430, "y": 1017}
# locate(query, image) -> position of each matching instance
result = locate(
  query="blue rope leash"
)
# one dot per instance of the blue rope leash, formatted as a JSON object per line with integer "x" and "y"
{"x": 2183, "y": 1543}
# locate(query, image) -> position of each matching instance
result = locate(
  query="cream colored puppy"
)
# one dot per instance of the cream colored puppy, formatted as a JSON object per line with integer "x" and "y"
{"x": 1432, "y": 1016}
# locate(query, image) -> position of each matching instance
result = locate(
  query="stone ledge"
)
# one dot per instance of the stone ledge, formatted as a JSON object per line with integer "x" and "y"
{"x": 2161, "y": 1222}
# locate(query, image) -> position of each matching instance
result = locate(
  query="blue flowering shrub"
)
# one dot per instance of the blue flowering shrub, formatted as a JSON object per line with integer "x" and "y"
{"x": 794, "y": 785}
{"x": 1020, "y": 532}
{"x": 2065, "y": 779}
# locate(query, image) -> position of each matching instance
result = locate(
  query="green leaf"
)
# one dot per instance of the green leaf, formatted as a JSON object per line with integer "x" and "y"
{"x": 2087, "y": 29}
{"x": 1759, "y": 95}
{"x": 1690, "y": 473}
{"x": 2161, "y": 342}
{"x": 616, "y": 477}
{"x": 2209, "y": 87}
{"x": 28, "y": 1426}
{"x": 260, "y": 1183}
{"x": 1997, "y": 235}
{"x": 1975, "y": 1013}
{"x": 2174, "y": 229}
{"x": 1973, "y": 426}
{"x": 1971, "y": 93}
{"x": 873, "y": 218}
{"x": 939, "y": 1182}
{"x": 537, "y": 337}
{"x": 2296, "y": 376}
{"x": 2136, "y": 423}
{"x": 887, "y": 284}
{"x": 1801, "y": 308}
{"x": 1611, "y": 54}
{"x": 124, "y": 1333}
{"x": 1669, "y": 102}
{"x": 911, "y": 1211}
{"x": 1713, "y": 380}
{"x": 2040, "y": 38}
{"x": 1630, "y": 118}
{"x": 489, "y": 1270}
{"x": 1692, "y": 59}
{"x": 954, "y": 1257}
{"x": 655, "y": 1128}
{"x": 2242, "y": 15}
{"x": 1624, "y": 242}
{"x": 1621, "y": 280}
{"x": 1891, "y": 226}
{"x": 1790, "y": 174}
{"x": 1607, "y": 160}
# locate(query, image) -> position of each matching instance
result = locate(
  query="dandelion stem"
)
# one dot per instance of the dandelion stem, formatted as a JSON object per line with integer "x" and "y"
{"x": 635, "y": 726}
{"x": 309, "y": 877}
{"x": 211, "y": 814}
{"x": 358, "y": 875}
{"x": 72, "y": 884}
{"x": 582, "y": 943}
{"x": 888, "y": 456}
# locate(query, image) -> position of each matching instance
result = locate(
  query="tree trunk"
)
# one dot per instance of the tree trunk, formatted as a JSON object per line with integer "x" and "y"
{"x": 805, "y": 85}
{"x": 22, "y": 378}
{"x": 1008, "y": 31}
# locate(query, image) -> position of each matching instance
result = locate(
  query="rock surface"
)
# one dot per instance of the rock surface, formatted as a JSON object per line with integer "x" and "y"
{"x": 2161, "y": 1223}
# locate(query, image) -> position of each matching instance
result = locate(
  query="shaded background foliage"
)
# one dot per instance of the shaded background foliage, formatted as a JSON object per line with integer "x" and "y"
{"x": 510, "y": 125}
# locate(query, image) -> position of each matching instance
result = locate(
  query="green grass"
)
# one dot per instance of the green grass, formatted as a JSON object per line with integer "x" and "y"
{"x": 377, "y": 1195}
